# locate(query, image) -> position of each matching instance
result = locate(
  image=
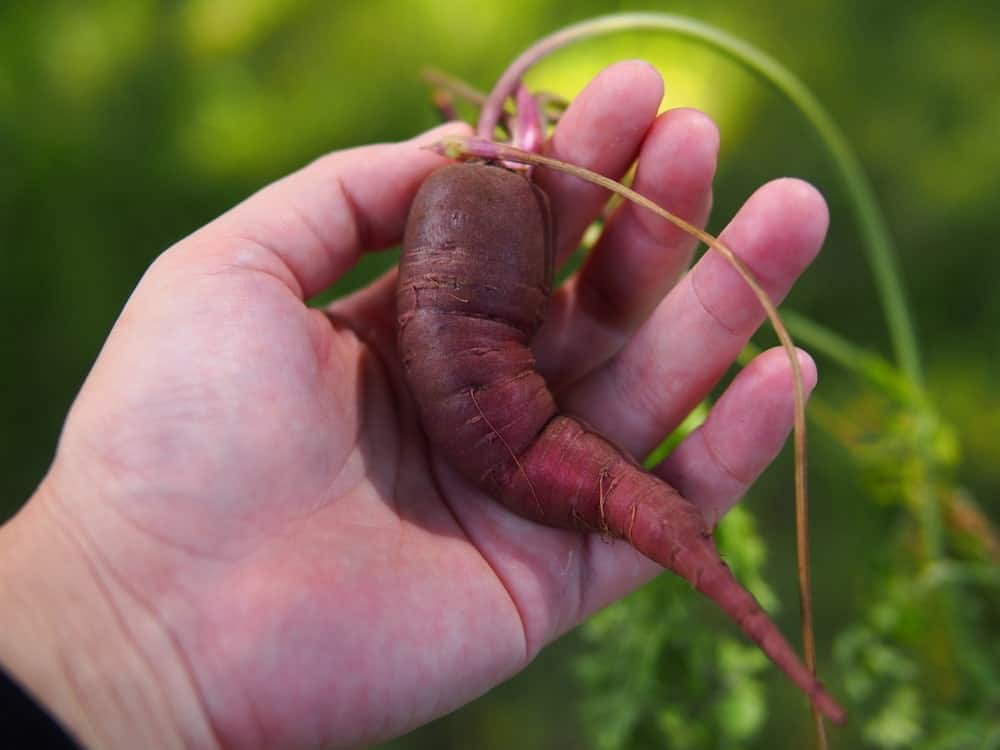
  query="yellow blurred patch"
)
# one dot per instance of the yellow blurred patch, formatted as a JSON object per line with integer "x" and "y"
{"x": 693, "y": 75}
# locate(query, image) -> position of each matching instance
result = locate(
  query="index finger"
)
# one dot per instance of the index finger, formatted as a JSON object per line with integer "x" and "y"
{"x": 602, "y": 130}
{"x": 317, "y": 221}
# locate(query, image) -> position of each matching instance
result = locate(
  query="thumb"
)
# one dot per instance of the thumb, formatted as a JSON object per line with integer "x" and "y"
{"x": 317, "y": 221}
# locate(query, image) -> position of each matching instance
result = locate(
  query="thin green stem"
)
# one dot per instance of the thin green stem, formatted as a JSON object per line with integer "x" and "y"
{"x": 877, "y": 242}
{"x": 867, "y": 365}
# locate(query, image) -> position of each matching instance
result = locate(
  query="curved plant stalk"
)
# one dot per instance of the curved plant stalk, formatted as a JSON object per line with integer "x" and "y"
{"x": 870, "y": 367}
{"x": 459, "y": 147}
{"x": 877, "y": 244}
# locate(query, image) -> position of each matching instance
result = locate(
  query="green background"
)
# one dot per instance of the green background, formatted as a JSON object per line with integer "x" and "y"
{"x": 127, "y": 124}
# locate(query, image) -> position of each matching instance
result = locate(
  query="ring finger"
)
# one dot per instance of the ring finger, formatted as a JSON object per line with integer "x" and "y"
{"x": 695, "y": 334}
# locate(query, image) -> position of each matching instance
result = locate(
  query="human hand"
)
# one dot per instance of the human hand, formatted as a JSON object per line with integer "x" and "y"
{"x": 256, "y": 543}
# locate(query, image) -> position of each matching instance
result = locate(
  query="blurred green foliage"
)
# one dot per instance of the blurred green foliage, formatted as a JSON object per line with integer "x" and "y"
{"x": 126, "y": 124}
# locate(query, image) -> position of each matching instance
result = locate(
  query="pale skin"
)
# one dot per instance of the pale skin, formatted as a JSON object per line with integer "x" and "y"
{"x": 244, "y": 539}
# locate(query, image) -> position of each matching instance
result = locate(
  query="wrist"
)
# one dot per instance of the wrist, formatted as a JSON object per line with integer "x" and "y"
{"x": 88, "y": 650}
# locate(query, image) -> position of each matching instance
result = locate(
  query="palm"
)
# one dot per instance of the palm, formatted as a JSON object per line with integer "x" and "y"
{"x": 305, "y": 508}
{"x": 323, "y": 572}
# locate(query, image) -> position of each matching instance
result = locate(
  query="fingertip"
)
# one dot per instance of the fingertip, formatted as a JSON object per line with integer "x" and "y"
{"x": 773, "y": 371}
{"x": 697, "y": 130}
{"x": 807, "y": 366}
{"x": 805, "y": 216}
{"x": 808, "y": 202}
{"x": 676, "y": 167}
{"x": 680, "y": 150}
{"x": 636, "y": 77}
